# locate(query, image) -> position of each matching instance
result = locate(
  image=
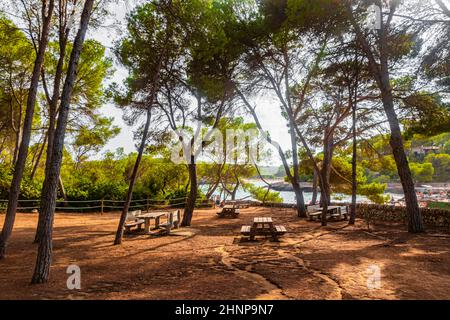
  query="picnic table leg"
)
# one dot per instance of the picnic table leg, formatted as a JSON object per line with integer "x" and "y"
{"x": 157, "y": 222}
{"x": 147, "y": 225}
{"x": 252, "y": 232}
{"x": 273, "y": 232}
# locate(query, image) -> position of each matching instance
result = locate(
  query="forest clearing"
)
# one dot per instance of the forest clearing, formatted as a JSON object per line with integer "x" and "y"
{"x": 209, "y": 260}
{"x": 225, "y": 150}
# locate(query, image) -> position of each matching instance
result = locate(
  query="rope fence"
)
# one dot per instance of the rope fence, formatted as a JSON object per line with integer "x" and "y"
{"x": 106, "y": 205}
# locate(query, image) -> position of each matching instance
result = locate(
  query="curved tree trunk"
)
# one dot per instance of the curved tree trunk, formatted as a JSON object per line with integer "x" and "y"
{"x": 301, "y": 208}
{"x": 126, "y": 206}
{"x": 19, "y": 166}
{"x": 50, "y": 186}
{"x": 380, "y": 72}
{"x": 415, "y": 222}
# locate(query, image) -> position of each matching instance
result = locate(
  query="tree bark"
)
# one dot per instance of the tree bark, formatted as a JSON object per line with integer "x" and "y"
{"x": 236, "y": 187}
{"x": 39, "y": 156}
{"x": 50, "y": 186}
{"x": 301, "y": 208}
{"x": 415, "y": 223}
{"x": 19, "y": 166}
{"x": 353, "y": 96}
{"x": 123, "y": 217}
{"x": 325, "y": 171}
{"x": 190, "y": 202}
{"x": 316, "y": 169}
{"x": 380, "y": 72}
{"x": 53, "y": 107}
{"x": 19, "y": 132}
{"x": 314, "y": 187}
{"x": 354, "y": 185}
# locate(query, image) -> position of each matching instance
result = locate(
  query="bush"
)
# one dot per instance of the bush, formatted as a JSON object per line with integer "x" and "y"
{"x": 261, "y": 194}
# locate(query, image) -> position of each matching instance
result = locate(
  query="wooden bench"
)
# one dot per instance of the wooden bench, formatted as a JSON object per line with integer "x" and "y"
{"x": 314, "y": 215}
{"x": 132, "y": 221}
{"x": 280, "y": 230}
{"x": 245, "y": 230}
{"x": 313, "y": 212}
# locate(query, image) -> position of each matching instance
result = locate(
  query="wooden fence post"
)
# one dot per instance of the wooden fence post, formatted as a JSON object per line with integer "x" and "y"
{"x": 101, "y": 207}
{"x": 147, "y": 205}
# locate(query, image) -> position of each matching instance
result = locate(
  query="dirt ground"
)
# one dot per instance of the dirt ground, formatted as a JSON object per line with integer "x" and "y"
{"x": 210, "y": 260}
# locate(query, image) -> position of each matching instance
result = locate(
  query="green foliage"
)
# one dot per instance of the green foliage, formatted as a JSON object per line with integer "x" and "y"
{"x": 92, "y": 139}
{"x": 422, "y": 172}
{"x": 5, "y": 180}
{"x": 107, "y": 178}
{"x": 439, "y": 205}
{"x": 16, "y": 64}
{"x": 262, "y": 194}
{"x": 374, "y": 191}
{"x": 441, "y": 165}
{"x": 431, "y": 115}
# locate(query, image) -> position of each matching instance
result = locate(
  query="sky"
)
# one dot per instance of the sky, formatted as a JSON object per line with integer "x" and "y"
{"x": 267, "y": 109}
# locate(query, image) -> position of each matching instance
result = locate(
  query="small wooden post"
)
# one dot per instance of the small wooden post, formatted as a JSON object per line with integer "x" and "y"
{"x": 147, "y": 205}
{"x": 101, "y": 207}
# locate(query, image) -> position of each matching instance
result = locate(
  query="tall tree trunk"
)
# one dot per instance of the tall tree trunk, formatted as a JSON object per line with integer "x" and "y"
{"x": 301, "y": 208}
{"x": 354, "y": 183}
{"x": 325, "y": 171}
{"x": 190, "y": 202}
{"x": 381, "y": 74}
{"x": 123, "y": 217}
{"x": 151, "y": 99}
{"x": 314, "y": 187}
{"x": 50, "y": 186}
{"x": 415, "y": 223}
{"x": 236, "y": 187}
{"x": 18, "y": 139}
{"x": 53, "y": 107}
{"x": 19, "y": 166}
{"x": 38, "y": 158}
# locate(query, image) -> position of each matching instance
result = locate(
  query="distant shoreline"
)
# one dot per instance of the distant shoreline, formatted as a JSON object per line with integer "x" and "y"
{"x": 393, "y": 187}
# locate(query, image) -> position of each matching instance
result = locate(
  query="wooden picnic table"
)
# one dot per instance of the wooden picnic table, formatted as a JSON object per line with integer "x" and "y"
{"x": 332, "y": 212}
{"x": 238, "y": 204}
{"x": 228, "y": 211}
{"x": 156, "y": 215}
{"x": 263, "y": 226}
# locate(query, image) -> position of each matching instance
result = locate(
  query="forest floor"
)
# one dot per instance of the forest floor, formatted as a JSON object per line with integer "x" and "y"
{"x": 210, "y": 260}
